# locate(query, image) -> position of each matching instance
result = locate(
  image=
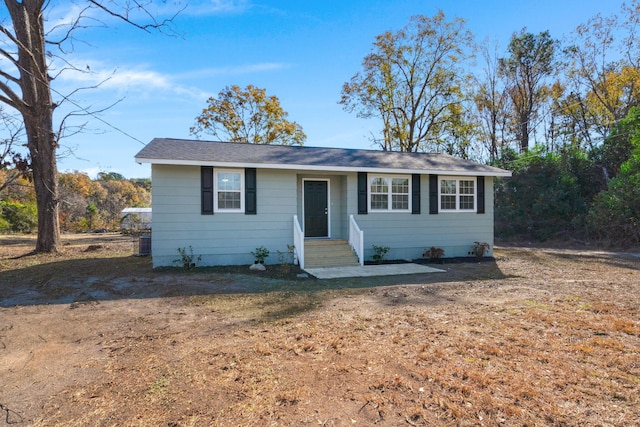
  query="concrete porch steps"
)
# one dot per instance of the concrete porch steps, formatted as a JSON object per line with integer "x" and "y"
{"x": 329, "y": 253}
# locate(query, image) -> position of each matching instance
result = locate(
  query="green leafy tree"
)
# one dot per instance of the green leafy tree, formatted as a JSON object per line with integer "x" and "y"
{"x": 548, "y": 195}
{"x": 92, "y": 214}
{"x": 110, "y": 176}
{"x": 615, "y": 214}
{"x": 248, "y": 116}
{"x": 412, "y": 82}
{"x": 618, "y": 146}
{"x": 18, "y": 217}
{"x": 529, "y": 64}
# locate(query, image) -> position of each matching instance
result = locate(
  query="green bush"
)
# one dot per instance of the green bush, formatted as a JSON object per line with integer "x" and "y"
{"x": 615, "y": 214}
{"x": 21, "y": 217}
{"x": 573, "y": 192}
{"x": 5, "y": 226}
{"x": 548, "y": 195}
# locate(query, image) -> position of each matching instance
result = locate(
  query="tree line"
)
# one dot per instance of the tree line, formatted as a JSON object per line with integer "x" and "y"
{"x": 562, "y": 115}
{"x": 541, "y": 107}
{"x": 432, "y": 87}
{"x": 85, "y": 204}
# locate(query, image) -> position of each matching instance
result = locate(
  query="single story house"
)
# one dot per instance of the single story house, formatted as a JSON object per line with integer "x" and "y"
{"x": 222, "y": 200}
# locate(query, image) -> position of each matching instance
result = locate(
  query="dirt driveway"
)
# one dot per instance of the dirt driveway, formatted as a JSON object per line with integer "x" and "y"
{"x": 94, "y": 336}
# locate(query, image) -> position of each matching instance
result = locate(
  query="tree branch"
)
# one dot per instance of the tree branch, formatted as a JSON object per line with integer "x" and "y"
{"x": 154, "y": 25}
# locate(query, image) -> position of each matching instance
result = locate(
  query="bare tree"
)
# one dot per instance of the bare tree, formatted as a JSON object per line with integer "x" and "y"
{"x": 490, "y": 99}
{"x": 25, "y": 85}
{"x": 13, "y": 162}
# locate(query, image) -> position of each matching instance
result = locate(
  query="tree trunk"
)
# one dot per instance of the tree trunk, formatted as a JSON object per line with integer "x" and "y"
{"x": 42, "y": 146}
{"x": 524, "y": 134}
{"x": 36, "y": 109}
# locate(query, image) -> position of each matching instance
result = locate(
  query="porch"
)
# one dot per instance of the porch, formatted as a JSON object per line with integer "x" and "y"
{"x": 325, "y": 252}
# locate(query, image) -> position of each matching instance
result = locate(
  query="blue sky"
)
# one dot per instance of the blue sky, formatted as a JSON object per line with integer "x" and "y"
{"x": 302, "y": 51}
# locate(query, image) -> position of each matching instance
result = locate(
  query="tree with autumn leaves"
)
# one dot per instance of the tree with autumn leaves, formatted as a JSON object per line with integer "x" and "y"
{"x": 248, "y": 116}
{"x": 419, "y": 85}
{"x": 85, "y": 204}
{"x": 413, "y": 82}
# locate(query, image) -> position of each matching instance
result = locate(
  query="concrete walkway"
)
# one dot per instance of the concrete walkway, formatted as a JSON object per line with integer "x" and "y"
{"x": 370, "y": 270}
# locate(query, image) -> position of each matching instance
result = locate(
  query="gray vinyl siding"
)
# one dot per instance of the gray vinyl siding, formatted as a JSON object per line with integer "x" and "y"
{"x": 222, "y": 238}
{"x": 228, "y": 238}
{"x": 408, "y": 235}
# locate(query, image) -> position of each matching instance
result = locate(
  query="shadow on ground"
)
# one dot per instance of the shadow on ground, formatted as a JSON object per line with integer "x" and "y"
{"x": 87, "y": 280}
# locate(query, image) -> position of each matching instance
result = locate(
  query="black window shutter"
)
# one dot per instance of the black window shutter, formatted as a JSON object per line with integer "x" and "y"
{"x": 480, "y": 201}
{"x": 206, "y": 187}
{"x": 250, "y": 191}
{"x": 433, "y": 194}
{"x": 362, "y": 193}
{"x": 415, "y": 194}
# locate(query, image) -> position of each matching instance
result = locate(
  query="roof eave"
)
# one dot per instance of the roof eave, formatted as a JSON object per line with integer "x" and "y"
{"x": 500, "y": 173}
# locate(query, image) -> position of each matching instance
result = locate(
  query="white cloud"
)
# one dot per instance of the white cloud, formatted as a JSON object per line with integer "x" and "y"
{"x": 216, "y": 7}
{"x": 139, "y": 80}
{"x": 236, "y": 70}
{"x": 144, "y": 81}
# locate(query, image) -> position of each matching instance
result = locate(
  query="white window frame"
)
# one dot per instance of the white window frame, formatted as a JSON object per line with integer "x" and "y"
{"x": 457, "y": 179}
{"x": 390, "y": 193}
{"x": 216, "y": 190}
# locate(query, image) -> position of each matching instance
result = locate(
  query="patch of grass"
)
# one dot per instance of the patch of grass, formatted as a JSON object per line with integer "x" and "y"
{"x": 159, "y": 387}
{"x": 268, "y": 307}
{"x": 537, "y": 304}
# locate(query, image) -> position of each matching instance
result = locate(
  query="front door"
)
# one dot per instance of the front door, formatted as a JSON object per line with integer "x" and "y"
{"x": 316, "y": 209}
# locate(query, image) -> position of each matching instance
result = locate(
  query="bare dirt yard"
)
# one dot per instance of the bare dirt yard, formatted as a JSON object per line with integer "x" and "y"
{"x": 95, "y": 337}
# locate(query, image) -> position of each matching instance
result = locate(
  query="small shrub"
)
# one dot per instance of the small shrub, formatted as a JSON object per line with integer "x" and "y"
{"x": 286, "y": 259}
{"x": 186, "y": 259}
{"x": 433, "y": 253}
{"x": 480, "y": 248}
{"x": 260, "y": 254}
{"x": 380, "y": 253}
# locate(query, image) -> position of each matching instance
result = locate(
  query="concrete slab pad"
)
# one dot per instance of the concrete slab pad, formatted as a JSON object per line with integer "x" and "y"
{"x": 370, "y": 270}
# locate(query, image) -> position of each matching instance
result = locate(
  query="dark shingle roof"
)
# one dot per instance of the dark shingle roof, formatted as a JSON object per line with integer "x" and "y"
{"x": 192, "y": 152}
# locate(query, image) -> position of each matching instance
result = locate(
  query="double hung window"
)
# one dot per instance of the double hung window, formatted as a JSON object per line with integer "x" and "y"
{"x": 457, "y": 194}
{"x": 389, "y": 193}
{"x": 229, "y": 190}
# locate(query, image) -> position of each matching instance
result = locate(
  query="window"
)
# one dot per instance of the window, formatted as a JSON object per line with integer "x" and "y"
{"x": 229, "y": 190}
{"x": 389, "y": 193}
{"x": 457, "y": 194}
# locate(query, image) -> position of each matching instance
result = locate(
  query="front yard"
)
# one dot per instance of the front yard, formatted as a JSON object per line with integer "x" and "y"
{"x": 94, "y": 336}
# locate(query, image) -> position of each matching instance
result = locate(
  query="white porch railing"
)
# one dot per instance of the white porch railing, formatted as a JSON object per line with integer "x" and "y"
{"x": 356, "y": 239}
{"x": 298, "y": 242}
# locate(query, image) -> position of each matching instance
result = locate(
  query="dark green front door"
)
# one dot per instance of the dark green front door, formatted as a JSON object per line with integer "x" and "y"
{"x": 316, "y": 212}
